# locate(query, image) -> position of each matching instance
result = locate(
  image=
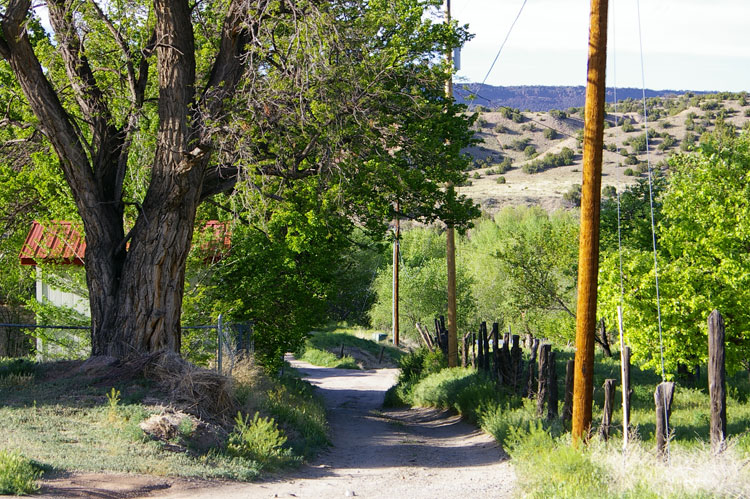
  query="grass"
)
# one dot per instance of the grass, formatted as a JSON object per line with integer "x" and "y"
{"x": 548, "y": 466}
{"x": 68, "y": 422}
{"x": 322, "y": 348}
{"x": 325, "y": 358}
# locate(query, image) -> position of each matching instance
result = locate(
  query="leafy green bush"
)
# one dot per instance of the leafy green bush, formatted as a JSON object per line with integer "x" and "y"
{"x": 629, "y": 172}
{"x": 500, "y": 179}
{"x": 627, "y": 126}
{"x": 550, "y": 133}
{"x": 258, "y": 439}
{"x": 529, "y": 151}
{"x": 17, "y": 474}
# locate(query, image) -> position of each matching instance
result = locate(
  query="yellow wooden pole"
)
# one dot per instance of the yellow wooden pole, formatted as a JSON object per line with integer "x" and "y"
{"x": 588, "y": 253}
{"x": 450, "y": 250}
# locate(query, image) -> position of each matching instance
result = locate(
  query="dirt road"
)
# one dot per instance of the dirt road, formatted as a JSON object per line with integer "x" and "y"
{"x": 376, "y": 453}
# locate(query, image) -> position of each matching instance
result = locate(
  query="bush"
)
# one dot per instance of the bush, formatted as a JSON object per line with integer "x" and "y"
{"x": 17, "y": 474}
{"x": 500, "y": 179}
{"x": 563, "y": 158}
{"x": 520, "y": 144}
{"x": 258, "y": 439}
{"x": 550, "y": 134}
{"x": 529, "y": 151}
{"x": 500, "y": 128}
{"x": 629, "y": 172}
{"x": 560, "y": 115}
{"x": 476, "y": 175}
{"x": 631, "y": 160}
{"x": 627, "y": 126}
{"x": 573, "y": 195}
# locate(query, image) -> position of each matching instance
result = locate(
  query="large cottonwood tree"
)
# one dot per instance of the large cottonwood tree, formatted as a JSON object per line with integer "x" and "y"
{"x": 251, "y": 94}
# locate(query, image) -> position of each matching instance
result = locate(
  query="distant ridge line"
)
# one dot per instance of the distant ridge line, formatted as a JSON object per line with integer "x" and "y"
{"x": 545, "y": 98}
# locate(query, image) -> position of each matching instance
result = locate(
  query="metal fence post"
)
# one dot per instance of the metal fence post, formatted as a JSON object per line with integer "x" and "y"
{"x": 220, "y": 338}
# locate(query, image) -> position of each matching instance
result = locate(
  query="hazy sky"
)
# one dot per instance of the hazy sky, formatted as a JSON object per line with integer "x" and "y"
{"x": 687, "y": 44}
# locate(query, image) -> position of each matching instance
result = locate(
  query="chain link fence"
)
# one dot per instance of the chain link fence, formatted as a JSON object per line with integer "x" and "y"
{"x": 221, "y": 348}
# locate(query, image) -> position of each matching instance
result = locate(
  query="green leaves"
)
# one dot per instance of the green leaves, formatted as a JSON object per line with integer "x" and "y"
{"x": 703, "y": 258}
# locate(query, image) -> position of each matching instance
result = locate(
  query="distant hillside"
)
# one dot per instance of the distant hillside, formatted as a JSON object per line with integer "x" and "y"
{"x": 543, "y": 98}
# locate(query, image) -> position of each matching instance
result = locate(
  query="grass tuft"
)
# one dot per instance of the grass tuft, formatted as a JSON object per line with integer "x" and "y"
{"x": 18, "y": 475}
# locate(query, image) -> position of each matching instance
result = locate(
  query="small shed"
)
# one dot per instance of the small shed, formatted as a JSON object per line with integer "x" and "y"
{"x": 60, "y": 247}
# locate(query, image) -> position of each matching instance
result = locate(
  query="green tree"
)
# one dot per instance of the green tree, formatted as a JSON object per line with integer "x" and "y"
{"x": 703, "y": 256}
{"x": 422, "y": 290}
{"x": 152, "y": 109}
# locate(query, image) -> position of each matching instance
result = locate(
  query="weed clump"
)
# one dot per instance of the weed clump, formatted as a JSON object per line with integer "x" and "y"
{"x": 18, "y": 475}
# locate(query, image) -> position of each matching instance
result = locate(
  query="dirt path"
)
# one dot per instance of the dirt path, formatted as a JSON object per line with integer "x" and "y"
{"x": 375, "y": 453}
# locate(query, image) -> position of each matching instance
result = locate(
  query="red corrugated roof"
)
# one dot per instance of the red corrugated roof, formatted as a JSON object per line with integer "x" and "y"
{"x": 60, "y": 242}
{"x": 54, "y": 242}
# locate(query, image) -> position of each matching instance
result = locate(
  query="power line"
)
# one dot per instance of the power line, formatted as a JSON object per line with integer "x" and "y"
{"x": 502, "y": 45}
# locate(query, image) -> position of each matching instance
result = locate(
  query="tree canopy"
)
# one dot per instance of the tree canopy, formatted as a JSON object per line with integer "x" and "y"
{"x": 704, "y": 239}
{"x": 153, "y": 108}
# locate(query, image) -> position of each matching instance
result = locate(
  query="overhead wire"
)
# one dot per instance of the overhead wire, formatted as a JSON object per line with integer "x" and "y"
{"x": 502, "y": 45}
{"x": 653, "y": 224}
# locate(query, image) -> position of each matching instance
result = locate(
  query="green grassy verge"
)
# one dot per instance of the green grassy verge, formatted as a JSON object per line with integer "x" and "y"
{"x": 67, "y": 422}
{"x": 322, "y": 348}
{"x": 542, "y": 455}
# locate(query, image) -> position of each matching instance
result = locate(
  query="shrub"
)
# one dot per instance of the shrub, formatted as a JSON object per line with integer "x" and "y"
{"x": 629, "y": 172}
{"x": 609, "y": 191}
{"x": 557, "y": 114}
{"x": 520, "y": 144}
{"x": 573, "y": 195}
{"x": 505, "y": 165}
{"x": 500, "y": 128}
{"x": 500, "y": 179}
{"x": 631, "y": 160}
{"x": 529, "y": 151}
{"x": 258, "y": 439}
{"x": 550, "y": 133}
{"x": 17, "y": 474}
{"x": 476, "y": 175}
{"x": 627, "y": 126}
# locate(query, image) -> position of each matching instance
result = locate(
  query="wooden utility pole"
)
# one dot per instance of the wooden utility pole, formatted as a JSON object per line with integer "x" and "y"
{"x": 450, "y": 250}
{"x": 396, "y": 251}
{"x": 588, "y": 252}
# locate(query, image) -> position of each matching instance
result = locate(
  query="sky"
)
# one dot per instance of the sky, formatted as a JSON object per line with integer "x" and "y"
{"x": 687, "y": 44}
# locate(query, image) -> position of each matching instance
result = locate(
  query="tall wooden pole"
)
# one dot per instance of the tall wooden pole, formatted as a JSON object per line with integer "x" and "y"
{"x": 396, "y": 250}
{"x": 450, "y": 250}
{"x": 588, "y": 253}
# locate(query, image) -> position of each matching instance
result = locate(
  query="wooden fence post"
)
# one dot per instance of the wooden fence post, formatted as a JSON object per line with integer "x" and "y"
{"x": 626, "y": 391}
{"x": 465, "y": 350}
{"x": 717, "y": 382}
{"x": 552, "y": 386}
{"x": 516, "y": 363}
{"x": 530, "y": 382}
{"x": 609, "y": 402}
{"x": 486, "y": 342}
{"x": 474, "y": 350}
{"x": 543, "y": 371}
{"x": 480, "y": 347}
{"x": 663, "y": 398}
{"x": 568, "y": 400}
{"x": 497, "y": 371}
{"x": 505, "y": 359}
